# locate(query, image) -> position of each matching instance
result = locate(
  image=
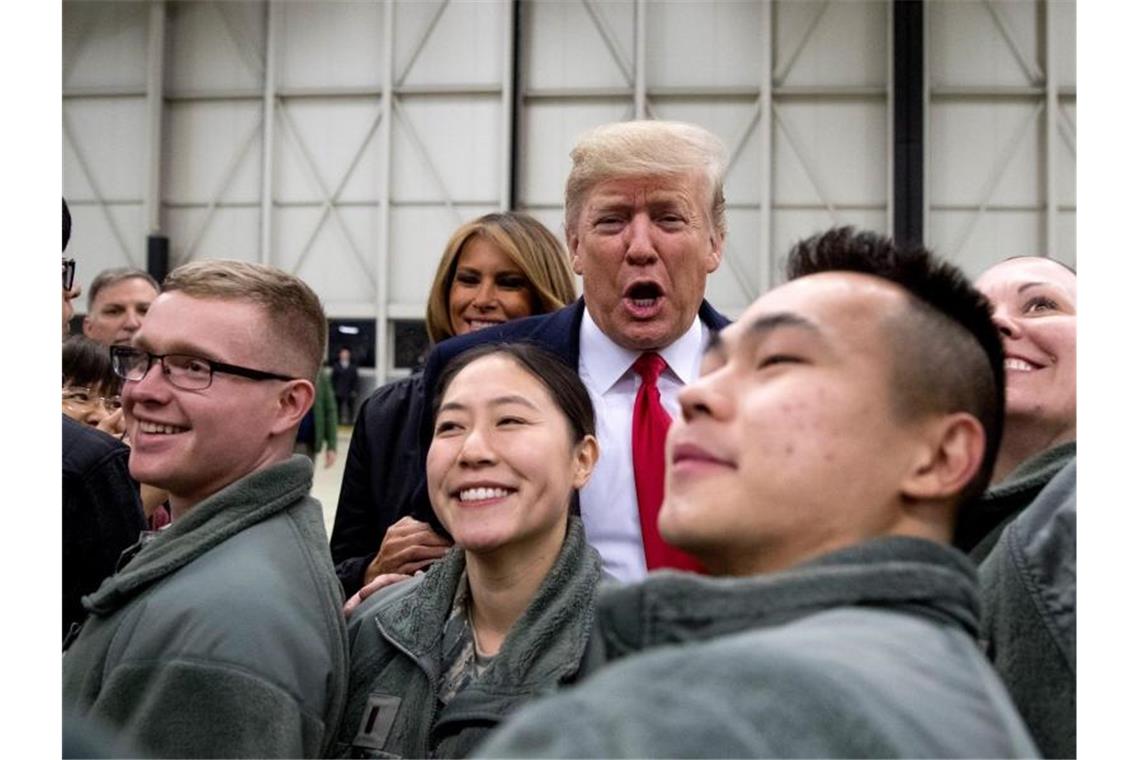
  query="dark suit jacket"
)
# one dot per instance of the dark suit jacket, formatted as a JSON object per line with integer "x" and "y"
{"x": 102, "y": 513}
{"x": 370, "y": 508}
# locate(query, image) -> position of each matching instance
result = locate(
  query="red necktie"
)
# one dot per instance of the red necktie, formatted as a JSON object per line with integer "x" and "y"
{"x": 650, "y": 424}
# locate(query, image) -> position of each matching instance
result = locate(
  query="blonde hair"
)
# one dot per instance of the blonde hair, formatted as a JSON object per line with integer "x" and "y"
{"x": 527, "y": 243}
{"x": 646, "y": 149}
{"x": 293, "y": 311}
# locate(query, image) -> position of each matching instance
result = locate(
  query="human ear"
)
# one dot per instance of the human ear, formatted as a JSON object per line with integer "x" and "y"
{"x": 572, "y": 245}
{"x": 293, "y": 402}
{"x": 716, "y": 251}
{"x": 955, "y": 445}
{"x": 585, "y": 457}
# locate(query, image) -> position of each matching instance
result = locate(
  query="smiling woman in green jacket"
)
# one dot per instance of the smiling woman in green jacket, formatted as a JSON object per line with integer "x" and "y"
{"x": 439, "y": 660}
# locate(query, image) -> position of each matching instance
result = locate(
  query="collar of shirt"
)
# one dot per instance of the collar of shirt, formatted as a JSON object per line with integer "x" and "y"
{"x": 605, "y": 362}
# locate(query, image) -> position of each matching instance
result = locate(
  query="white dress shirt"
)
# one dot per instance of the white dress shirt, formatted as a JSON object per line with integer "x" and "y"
{"x": 609, "y": 500}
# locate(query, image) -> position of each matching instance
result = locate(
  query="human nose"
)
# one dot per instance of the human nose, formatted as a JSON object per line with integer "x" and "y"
{"x": 1008, "y": 325}
{"x": 705, "y": 396}
{"x": 133, "y": 321}
{"x": 486, "y": 295}
{"x": 475, "y": 450}
{"x": 149, "y": 387}
{"x": 639, "y": 243}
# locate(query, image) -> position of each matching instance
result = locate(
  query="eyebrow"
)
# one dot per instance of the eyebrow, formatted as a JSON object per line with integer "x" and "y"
{"x": 177, "y": 347}
{"x": 498, "y": 401}
{"x": 761, "y": 327}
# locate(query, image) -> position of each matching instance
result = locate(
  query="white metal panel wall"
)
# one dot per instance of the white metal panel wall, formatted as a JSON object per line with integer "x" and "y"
{"x": 1001, "y": 147}
{"x": 798, "y": 91}
{"x": 104, "y": 127}
{"x": 345, "y": 141}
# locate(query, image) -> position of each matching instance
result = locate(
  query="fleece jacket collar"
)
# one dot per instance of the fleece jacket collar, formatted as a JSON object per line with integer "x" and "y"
{"x": 241, "y": 504}
{"x": 897, "y": 573}
{"x": 535, "y": 649}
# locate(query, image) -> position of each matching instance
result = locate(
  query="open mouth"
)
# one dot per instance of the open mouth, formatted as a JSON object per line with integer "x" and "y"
{"x": 643, "y": 295}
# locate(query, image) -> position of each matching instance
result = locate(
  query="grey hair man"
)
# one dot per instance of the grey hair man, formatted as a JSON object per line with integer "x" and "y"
{"x": 117, "y": 301}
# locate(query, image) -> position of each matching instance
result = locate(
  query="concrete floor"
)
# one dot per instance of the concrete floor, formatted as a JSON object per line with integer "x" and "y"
{"x": 326, "y": 482}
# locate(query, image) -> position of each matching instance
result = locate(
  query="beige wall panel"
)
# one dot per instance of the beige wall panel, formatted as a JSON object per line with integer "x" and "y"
{"x": 465, "y": 45}
{"x": 703, "y": 44}
{"x": 565, "y": 49}
{"x": 460, "y": 134}
{"x": 326, "y": 44}
{"x": 214, "y": 45}
{"x": 201, "y": 142}
{"x": 104, "y": 45}
{"x": 330, "y": 132}
{"x": 846, "y": 47}
{"x": 230, "y": 233}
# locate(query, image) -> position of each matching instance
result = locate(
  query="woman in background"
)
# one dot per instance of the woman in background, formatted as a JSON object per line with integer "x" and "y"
{"x": 438, "y": 661}
{"x": 1035, "y": 310}
{"x": 499, "y": 267}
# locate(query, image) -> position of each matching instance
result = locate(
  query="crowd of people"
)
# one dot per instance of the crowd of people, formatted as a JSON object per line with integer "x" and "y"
{"x": 616, "y": 525}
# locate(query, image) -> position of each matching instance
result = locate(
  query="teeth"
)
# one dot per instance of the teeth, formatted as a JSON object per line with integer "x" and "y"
{"x": 645, "y": 302}
{"x": 154, "y": 427}
{"x": 479, "y": 324}
{"x": 1019, "y": 365}
{"x": 481, "y": 494}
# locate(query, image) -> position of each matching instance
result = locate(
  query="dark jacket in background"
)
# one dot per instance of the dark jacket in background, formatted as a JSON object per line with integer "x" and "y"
{"x": 396, "y": 662}
{"x": 980, "y": 523}
{"x": 868, "y": 651}
{"x": 381, "y": 473}
{"x": 344, "y": 379}
{"x": 1029, "y": 613}
{"x": 102, "y": 513}
{"x": 223, "y": 636}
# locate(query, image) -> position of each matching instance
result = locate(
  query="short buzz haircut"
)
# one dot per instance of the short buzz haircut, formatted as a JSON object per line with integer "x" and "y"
{"x": 647, "y": 149}
{"x": 292, "y": 310}
{"x": 524, "y": 240}
{"x": 109, "y": 277}
{"x": 948, "y": 355}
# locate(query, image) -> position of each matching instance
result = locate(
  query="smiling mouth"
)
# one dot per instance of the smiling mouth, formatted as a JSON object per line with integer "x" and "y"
{"x": 482, "y": 493}
{"x": 154, "y": 428}
{"x": 1016, "y": 364}
{"x": 479, "y": 324}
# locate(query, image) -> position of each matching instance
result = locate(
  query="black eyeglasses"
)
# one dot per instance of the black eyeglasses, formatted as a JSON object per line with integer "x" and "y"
{"x": 68, "y": 273}
{"x": 190, "y": 373}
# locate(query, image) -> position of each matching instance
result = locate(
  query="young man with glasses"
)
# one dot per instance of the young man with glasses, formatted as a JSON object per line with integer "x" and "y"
{"x": 222, "y": 636}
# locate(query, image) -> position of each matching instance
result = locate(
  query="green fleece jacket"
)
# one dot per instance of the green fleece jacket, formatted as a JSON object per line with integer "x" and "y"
{"x": 1029, "y": 613}
{"x": 396, "y": 640}
{"x": 980, "y": 523}
{"x": 868, "y": 651}
{"x": 223, "y": 636}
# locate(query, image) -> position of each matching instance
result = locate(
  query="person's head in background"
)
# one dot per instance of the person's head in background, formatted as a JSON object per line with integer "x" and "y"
{"x": 1035, "y": 310}
{"x": 90, "y": 387}
{"x": 862, "y": 398}
{"x": 513, "y": 440}
{"x": 70, "y": 289}
{"x": 344, "y": 356}
{"x": 645, "y": 225}
{"x": 499, "y": 267}
{"x": 117, "y": 301}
